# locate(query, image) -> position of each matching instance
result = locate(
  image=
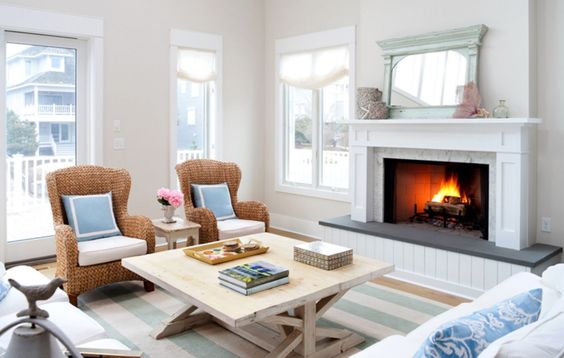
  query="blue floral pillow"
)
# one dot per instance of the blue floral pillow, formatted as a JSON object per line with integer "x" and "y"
{"x": 468, "y": 336}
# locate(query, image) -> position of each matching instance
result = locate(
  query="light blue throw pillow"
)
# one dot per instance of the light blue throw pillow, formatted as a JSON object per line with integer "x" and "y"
{"x": 91, "y": 216}
{"x": 468, "y": 336}
{"x": 214, "y": 197}
{"x": 4, "y": 288}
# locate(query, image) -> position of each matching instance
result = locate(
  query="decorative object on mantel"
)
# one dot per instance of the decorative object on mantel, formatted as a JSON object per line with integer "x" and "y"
{"x": 501, "y": 111}
{"x": 170, "y": 200}
{"x": 323, "y": 255}
{"x": 369, "y": 104}
{"x": 418, "y": 71}
{"x": 38, "y": 338}
{"x": 470, "y": 105}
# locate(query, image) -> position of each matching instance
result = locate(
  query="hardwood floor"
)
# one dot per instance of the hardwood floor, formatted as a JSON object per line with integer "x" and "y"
{"x": 48, "y": 269}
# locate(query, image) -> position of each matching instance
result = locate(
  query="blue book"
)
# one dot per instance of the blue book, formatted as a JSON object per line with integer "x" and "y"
{"x": 253, "y": 274}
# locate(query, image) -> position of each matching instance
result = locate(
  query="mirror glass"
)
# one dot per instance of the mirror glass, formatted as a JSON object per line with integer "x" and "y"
{"x": 429, "y": 79}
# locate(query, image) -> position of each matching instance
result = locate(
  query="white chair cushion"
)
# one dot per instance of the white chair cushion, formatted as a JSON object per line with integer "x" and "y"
{"x": 15, "y": 301}
{"x": 77, "y": 325}
{"x": 109, "y": 249}
{"x": 238, "y": 227}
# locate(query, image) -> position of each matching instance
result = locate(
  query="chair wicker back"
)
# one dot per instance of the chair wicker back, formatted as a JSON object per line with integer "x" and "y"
{"x": 88, "y": 180}
{"x": 206, "y": 171}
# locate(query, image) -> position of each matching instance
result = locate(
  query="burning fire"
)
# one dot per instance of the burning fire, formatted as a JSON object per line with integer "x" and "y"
{"x": 449, "y": 187}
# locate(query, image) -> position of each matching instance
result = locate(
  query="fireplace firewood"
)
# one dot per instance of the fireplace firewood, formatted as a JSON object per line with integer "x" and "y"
{"x": 451, "y": 209}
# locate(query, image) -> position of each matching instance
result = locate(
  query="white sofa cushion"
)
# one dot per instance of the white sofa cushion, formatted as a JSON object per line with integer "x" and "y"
{"x": 238, "y": 227}
{"x": 77, "y": 325}
{"x": 15, "y": 300}
{"x": 109, "y": 249}
{"x": 105, "y": 343}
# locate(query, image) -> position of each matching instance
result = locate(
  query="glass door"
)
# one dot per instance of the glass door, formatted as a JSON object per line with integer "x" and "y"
{"x": 42, "y": 122}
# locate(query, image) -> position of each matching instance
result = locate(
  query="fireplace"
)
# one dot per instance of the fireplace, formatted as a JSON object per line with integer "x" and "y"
{"x": 445, "y": 196}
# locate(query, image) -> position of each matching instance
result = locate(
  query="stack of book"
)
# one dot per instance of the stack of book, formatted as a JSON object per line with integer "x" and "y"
{"x": 253, "y": 277}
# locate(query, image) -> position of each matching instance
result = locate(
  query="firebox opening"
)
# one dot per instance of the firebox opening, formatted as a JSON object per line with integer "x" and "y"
{"x": 439, "y": 195}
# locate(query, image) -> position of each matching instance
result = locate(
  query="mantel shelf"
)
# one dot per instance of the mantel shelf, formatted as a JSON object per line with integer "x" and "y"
{"x": 442, "y": 121}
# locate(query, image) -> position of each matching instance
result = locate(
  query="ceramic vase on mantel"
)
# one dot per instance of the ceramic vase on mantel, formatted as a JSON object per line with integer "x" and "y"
{"x": 168, "y": 213}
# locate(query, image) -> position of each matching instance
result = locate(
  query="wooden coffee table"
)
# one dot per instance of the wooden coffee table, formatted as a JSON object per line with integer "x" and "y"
{"x": 291, "y": 310}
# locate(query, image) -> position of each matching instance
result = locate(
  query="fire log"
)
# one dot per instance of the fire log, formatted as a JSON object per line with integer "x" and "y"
{"x": 451, "y": 209}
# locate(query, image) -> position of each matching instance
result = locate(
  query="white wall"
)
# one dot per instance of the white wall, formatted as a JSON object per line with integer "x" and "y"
{"x": 136, "y": 82}
{"x": 550, "y": 19}
{"x": 504, "y": 69}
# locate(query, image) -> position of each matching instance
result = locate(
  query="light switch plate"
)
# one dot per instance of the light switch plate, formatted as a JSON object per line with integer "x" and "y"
{"x": 117, "y": 125}
{"x": 546, "y": 224}
{"x": 119, "y": 143}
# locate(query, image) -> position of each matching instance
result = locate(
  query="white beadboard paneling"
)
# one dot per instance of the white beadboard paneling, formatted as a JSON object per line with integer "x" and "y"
{"x": 379, "y": 242}
{"x": 343, "y": 238}
{"x": 408, "y": 257}
{"x": 442, "y": 265}
{"x": 515, "y": 269}
{"x": 477, "y": 277}
{"x": 371, "y": 246}
{"x": 419, "y": 259}
{"x": 361, "y": 245}
{"x": 465, "y": 271}
{"x": 490, "y": 274}
{"x": 453, "y": 266}
{"x": 503, "y": 271}
{"x": 430, "y": 261}
{"x": 389, "y": 251}
{"x": 398, "y": 254}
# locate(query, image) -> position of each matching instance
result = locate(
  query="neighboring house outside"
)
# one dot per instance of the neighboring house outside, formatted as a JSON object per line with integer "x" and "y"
{"x": 190, "y": 116}
{"x": 41, "y": 89}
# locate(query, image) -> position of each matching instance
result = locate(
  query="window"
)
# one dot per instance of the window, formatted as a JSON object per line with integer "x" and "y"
{"x": 196, "y": 70}
{"x": 195, "y": 79}
{"x": 315, "y": 90}
{"x": 23, "y": 192}
{"x": 191, "y": 116}
{"x": 56, "y": 63}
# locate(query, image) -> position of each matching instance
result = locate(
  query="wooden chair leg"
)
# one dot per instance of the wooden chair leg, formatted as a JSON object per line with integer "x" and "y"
{"x": 73, "y": 299}
{"x": 149, "y": 286}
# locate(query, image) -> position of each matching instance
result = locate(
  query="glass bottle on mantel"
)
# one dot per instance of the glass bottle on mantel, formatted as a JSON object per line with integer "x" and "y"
{"x": 501, "y": 111}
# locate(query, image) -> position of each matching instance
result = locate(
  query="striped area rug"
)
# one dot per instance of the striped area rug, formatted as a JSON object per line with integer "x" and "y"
{"x": 128, "y": 314}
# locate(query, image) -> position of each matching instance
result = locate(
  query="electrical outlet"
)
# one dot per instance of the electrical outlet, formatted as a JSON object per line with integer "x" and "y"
{"x": 119, "y": 143}
{"x": 546, "y": 224}
{"x": 117, "y": 125}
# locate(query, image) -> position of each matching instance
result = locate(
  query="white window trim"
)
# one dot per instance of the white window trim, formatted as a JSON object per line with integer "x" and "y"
{"x": 323, "y": 39}
{"x": 198, "y": 41}
{"x": 22, "y": 19}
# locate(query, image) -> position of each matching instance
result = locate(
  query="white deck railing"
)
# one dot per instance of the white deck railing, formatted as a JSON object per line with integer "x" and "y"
{"x": 25, "y": 178}
{"x": 57, "y": 109}
{"x": 183, "y": 155}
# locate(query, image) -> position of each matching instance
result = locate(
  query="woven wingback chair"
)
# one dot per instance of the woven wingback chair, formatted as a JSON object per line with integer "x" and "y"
{"x": 87, "y": 180}
{"x": 206, "y": 171}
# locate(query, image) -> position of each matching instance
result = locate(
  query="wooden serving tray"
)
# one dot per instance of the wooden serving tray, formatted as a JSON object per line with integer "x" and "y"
{"x": 215, "y": 256}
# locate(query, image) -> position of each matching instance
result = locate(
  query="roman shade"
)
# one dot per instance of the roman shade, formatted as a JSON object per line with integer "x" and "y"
{"x": 196, "y": 65}
{"x": 314, "y": 69}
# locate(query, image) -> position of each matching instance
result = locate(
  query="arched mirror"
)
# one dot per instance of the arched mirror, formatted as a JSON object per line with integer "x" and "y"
{"x": 425, "y": 74}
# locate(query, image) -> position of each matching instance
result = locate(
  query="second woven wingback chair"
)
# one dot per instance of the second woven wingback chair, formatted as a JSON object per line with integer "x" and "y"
{"x": 206, "y": 171}
{"x": 88, "y": 180}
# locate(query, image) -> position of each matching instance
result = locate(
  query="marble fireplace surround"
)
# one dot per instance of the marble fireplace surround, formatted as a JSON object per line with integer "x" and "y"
{"x": 508, "y": 145}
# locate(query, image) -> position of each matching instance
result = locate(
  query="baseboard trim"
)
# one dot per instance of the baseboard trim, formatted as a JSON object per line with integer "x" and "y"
{"x": 293, "y": 225}
{"x": 436, "y": 285}
{"x": 32, "y": 262}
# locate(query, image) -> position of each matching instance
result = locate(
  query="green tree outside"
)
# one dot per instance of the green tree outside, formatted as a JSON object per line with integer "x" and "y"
{"x": 22, "y": 137}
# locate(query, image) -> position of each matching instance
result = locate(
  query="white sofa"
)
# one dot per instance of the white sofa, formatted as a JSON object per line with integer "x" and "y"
{"x": 82, "y": 330}
{"x": 544, "y": 338}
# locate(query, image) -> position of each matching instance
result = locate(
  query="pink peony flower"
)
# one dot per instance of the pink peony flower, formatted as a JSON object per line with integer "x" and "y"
{"x": 170, "y": 197}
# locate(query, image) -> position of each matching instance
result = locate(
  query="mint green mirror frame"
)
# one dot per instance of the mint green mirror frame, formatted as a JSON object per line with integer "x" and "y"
{"x": 466, "y": 40}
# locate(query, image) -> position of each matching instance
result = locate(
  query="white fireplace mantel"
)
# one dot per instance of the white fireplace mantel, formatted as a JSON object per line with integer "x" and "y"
{"x": 513, "y": 140}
